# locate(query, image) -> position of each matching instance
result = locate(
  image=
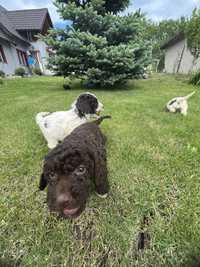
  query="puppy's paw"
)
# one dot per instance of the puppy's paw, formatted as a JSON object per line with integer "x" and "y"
{"x": 52, "y": 145}
{"x": 102, "y": 196}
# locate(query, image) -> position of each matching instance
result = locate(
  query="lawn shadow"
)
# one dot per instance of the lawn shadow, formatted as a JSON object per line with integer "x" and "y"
{"x": 182, "y": 77}
{"x": 79, "y": 85}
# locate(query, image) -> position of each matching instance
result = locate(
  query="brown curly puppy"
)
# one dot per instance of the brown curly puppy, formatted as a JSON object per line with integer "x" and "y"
{"x": 70, "y": 168}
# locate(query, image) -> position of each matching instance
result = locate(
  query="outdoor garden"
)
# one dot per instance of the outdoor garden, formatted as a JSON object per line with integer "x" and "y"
{"x": 151, "y": 215}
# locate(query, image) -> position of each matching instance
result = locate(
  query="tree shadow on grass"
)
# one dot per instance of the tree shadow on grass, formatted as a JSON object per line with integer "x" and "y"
{"x": 78, "y": 85}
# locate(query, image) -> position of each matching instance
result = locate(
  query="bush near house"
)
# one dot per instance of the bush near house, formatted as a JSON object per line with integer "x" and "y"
{"x": 193, "y": 33}
{"x": 195, "y": 78}
{"x": 2, "y": 74}
{"x": 20, "y": 72}
{"x": 37, "y": 71}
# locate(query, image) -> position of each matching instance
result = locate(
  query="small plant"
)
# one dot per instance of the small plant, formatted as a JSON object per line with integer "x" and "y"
{"x": 37, "y": 71}
{"x": 2, "y": 74}
{"x": 195, "y": 78}
{"x": 1, "y": 81}
{"x": 67, "y": 83}
{"x": 66, "y": 86}
{"x": 20, "y": 72}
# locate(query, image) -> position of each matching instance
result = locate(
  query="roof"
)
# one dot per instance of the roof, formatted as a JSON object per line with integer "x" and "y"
{"x": 172, "y": 41}
{"x": 12, "y": 22}
{"x": 3, "y": 35}
{"x": 29, "y": 19}
{"x": 7, "y": 30}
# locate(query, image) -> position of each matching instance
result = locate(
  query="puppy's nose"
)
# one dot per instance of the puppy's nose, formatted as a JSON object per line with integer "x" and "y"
{"x": 64, "y": 199}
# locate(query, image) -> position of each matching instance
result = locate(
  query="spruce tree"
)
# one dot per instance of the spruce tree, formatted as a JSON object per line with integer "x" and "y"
{"x": 100, "y": 46}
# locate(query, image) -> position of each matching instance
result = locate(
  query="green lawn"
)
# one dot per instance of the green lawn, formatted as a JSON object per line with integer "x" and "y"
{"x": 154, "y": 168}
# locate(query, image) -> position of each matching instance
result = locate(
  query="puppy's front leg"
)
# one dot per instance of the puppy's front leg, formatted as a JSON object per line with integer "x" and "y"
{"x": 184, "y": 109}
{"x": 101, "y": 186}
{"x": 101, "y": 181}
{"x": 52, "y": 144}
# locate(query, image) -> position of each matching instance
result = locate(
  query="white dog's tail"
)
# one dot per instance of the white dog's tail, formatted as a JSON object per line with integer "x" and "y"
{"x": 40, "y": 117}
{"x": 190, "y": 95}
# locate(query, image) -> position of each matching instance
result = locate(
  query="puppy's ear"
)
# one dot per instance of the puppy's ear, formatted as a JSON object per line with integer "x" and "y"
{"x": 43, "y": 182}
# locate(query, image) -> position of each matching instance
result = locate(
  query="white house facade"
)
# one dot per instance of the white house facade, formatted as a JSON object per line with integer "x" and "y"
{"x": 178, "y": 58}
{"x": 18, "y": 39}
{"x": 9, "y": 60}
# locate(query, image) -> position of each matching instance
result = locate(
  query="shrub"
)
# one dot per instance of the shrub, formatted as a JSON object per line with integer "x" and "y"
{"x": 192, "y": 33}
{"x": 195, "y": 78}
{"x": 2, "y": 74}
{"x": 1, "y": 81}
{"x": 20, "y": 72}
{"x": 37, "y": 71}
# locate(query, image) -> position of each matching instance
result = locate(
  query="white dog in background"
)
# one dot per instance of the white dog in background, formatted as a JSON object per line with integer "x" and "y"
{"x": 179, "y": 104}
{"x": 56, "y": 126}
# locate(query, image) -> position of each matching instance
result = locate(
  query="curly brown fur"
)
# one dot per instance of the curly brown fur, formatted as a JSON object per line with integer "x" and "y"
{"x": 72, "y": 167}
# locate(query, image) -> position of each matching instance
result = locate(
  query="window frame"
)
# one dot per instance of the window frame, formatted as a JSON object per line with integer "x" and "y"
{"x": 22, "y": 57}
{"x": 3, "y": 58}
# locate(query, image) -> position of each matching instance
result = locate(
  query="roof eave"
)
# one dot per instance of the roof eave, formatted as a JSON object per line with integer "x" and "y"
{"x": 12, "y": 36}
{"x": 47, "y": 16}
{"x": 172, "y": 41}
{"x": 4, "y": 39}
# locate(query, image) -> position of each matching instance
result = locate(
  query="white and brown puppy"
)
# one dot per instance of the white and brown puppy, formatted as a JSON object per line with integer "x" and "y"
{"x": 55, "y": 126}
{"x": 179, "y": 104}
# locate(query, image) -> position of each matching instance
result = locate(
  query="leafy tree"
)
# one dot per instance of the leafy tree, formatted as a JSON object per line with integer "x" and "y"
{"x": 109, "y": 5}
{"x": 100, "y": 45}
{"x": 160, "y": 32}
{"x": 193, "y": 33}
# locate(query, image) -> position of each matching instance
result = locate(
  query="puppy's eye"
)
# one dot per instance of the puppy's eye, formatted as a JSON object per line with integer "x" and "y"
{"x": 80, "y": 170}
{"x": 52, "y": 175}
{"x": 53, "y": 182}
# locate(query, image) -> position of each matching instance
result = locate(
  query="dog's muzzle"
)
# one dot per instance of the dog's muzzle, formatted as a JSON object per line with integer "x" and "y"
{"x": 99, "y": 109}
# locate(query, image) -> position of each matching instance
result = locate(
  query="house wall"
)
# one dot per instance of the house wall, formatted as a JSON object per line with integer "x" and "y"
{"x": 178, "y": 59}
{"x": 42, "y": 47}
{"x": 12, "y": 58}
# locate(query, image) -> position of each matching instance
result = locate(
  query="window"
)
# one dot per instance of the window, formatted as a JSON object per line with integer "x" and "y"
{"x": 22, "y": 57}
{"x": 2, "y": 55}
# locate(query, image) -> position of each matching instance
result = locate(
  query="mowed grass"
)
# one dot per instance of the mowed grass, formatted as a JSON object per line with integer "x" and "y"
{"x": 154, "y": 171}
